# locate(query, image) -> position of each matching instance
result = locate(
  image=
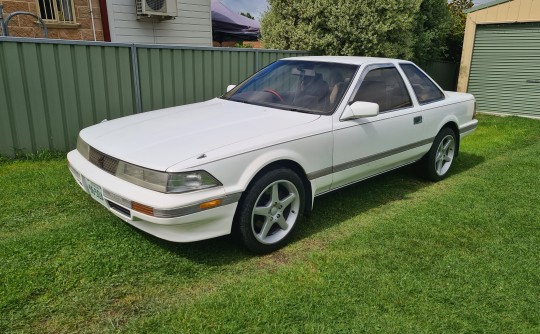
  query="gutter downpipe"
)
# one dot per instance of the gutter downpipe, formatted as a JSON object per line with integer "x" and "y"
{"x": 92, "y": 18}
{"x": 2, "y": 23}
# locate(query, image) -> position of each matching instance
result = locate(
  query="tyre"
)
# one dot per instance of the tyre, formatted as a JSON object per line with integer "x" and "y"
{"x": 268, "y": 213}
{"x": 438, "y": 160}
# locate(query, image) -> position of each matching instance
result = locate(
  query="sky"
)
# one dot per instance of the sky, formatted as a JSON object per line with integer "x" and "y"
{"x": 254, "y": 7}
{"x": 257, "y": 7}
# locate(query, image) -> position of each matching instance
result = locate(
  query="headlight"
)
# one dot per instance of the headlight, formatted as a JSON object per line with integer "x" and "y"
{"x": 83, "y": 148}
{"x": 165, "y": 182}
{"x": 182, "y": 182}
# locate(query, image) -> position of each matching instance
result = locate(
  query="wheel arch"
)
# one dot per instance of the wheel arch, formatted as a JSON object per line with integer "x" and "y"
{"x": 452, "y": 125}
{"x": 296, "y": 168}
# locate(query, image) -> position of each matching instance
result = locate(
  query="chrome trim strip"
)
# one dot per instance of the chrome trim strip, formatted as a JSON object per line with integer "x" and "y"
{"x": 382, "y": 155}
{"x": 468, "y": 128}
{"x": 194, "y": 208}
{"x": 319, "y": 173}
{"x": 368, "y": 159}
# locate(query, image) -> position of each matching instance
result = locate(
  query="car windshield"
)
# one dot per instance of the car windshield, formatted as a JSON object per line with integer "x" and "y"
{"x": 305, "y": 86}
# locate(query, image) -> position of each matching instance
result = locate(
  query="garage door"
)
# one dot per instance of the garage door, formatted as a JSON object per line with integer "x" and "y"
{"x": 505, "y": 68}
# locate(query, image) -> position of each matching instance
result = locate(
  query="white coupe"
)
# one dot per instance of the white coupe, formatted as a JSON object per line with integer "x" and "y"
{"x": 252, "y": 161}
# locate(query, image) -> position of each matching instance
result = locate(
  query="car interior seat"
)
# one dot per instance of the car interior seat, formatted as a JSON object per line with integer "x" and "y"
{"x": 314, "y": 93}
{"x": 375, "y": 92}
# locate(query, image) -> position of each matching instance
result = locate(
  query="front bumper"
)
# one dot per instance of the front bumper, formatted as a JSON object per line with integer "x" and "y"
{"x": 177, "y": 217}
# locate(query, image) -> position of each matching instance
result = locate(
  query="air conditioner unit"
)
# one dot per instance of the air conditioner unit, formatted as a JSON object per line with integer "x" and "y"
{"x": 159, "y": 9}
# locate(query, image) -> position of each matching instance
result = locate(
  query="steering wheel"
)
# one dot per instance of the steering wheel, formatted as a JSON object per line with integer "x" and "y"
{"x": 273, "y": 92}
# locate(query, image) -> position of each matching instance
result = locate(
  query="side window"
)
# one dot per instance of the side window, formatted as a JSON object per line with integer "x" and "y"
{"x": 385, "y": 87}
{"x": 424, "y": 88}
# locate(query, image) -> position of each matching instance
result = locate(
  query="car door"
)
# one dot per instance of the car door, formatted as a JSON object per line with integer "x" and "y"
{"x": 367, "y": 146}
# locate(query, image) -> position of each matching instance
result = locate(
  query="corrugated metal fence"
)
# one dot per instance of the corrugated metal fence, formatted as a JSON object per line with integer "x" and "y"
{"x": 444, "y": 72}
{"x": 49, "y": 90}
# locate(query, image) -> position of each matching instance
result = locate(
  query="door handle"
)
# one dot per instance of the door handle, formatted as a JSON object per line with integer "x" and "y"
{"x": 533, "y": 81}
{"x": 417, "y": 120}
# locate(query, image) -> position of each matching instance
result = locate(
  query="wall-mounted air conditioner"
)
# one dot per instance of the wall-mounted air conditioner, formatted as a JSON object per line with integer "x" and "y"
{"x": 158, "y": 9}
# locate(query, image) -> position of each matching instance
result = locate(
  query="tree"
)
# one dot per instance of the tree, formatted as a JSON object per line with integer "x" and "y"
{"x": 411, "y": 29}
{"x": 248, "y": 15}
{"x": 433, "y": 22}
{"x": 457, "y": 29}
{"x": 456, "y": 9}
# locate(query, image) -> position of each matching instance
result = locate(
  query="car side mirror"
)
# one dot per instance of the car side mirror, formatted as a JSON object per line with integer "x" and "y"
{"x": 230, "y": 87}
{"x": 360, "y": 109}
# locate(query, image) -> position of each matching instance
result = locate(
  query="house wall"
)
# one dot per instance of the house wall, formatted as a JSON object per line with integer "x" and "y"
{"x": 26, "y": 26}
{"x": 514, "y": 11}
{"x": 193, "y": 26}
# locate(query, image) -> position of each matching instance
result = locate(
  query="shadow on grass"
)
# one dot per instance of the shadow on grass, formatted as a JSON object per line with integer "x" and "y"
{"x": 329, "y": 210}
{"x": 340, "y": 205}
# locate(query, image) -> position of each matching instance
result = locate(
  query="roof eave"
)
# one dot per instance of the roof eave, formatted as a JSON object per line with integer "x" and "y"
{"x": 484, "y": 6}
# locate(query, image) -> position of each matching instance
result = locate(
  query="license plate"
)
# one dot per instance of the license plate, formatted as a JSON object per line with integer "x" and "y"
{"x": 95, "y": 192}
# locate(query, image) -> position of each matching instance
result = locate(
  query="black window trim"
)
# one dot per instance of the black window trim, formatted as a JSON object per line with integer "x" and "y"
{"x": 429, "y": 78}
{"x": 372, "y": 67}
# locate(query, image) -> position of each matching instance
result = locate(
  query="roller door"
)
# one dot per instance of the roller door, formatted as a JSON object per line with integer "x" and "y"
{"x": 505, "y": 68}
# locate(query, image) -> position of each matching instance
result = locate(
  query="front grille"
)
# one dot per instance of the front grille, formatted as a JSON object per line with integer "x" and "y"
{"x": 103, "y": 161}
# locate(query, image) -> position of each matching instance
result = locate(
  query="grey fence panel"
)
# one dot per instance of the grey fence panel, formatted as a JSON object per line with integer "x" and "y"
{"x": 267, "y": 57}
{"x": 171, "y": 77}
{"x": 49, "y": 90}
{"x": 444, "y": 73}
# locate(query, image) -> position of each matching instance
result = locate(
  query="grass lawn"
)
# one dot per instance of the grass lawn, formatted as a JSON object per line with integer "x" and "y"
{"x": 394, "y": 254}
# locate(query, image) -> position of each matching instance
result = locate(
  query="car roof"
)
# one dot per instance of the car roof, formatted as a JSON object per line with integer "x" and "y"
{"x": 348, "y": 59}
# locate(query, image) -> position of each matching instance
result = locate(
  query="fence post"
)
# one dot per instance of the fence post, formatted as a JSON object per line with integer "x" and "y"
{"x": 136, "y": 79}
{"x": 257, "y": 62}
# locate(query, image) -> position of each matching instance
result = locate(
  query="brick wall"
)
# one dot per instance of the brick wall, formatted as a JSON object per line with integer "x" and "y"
{"x": 26, "y": 26}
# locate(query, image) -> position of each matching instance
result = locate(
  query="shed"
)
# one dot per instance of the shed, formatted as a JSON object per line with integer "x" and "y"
{"x": 500, "y": 63}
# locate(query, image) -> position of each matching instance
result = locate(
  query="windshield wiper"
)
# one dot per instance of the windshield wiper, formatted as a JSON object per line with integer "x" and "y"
{"x": 305, "y": 111}
{"x": 276, "y": 106}
{"x": 241, "y": 101}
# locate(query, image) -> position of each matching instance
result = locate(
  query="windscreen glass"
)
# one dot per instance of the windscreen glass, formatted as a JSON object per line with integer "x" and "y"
{"x": 305, "y": 86}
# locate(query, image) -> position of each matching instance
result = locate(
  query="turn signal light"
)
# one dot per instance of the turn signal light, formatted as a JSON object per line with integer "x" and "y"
{"x": 210, "y": 204}
{"x": 147, "y": 210}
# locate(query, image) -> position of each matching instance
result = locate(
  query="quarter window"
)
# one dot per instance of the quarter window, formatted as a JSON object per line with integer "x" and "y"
{"x": 426, "y": 91}
{"x": 385, "y": 87}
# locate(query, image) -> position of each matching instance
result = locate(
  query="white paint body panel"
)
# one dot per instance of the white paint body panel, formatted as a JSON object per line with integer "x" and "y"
{"x": 234, "y": 141}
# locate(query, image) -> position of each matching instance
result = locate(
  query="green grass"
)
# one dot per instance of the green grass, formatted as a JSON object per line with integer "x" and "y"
{"x": 394, "y": 254}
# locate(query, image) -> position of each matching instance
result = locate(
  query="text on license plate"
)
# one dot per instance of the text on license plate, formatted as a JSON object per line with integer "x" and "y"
{"x": 95, "y": 192}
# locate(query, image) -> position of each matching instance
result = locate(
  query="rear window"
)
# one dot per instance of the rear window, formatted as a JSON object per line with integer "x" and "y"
{"x": 424, "y": 89}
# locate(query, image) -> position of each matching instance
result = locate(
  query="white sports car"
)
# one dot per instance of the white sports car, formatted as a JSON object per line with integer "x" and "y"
{"x": 252, "y": 161}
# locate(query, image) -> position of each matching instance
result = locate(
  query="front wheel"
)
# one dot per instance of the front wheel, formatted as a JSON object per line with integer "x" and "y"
{"x": 270, "y": 210}
{"x": 438, "y": 160}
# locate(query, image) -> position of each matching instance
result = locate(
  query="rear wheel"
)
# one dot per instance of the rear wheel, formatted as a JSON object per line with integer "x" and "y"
{"x": 270, "y": 210}
{"x": 440, "y": 157}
